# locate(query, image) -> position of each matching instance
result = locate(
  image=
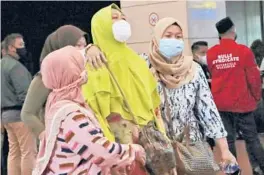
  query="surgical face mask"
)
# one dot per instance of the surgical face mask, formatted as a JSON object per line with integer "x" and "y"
{"x": 171, "y": 47}
{"x": 203, "y": 60}
{"x": 121, "y": 31}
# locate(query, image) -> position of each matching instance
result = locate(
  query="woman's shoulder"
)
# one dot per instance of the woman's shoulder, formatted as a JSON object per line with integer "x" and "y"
{"x": 197, "y": 66}
{"x": 76, "y": 112}
{"x": 37, "y": 78}
{"x": 66, "y": 108}
{"x": 38, "y": 75}
{"x": 198, "y": 72}
{"x": 37, "y": 85}
{"x": 72, "y": 108}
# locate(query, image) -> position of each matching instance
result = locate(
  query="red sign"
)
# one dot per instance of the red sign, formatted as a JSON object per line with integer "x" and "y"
{"x": 153, "y": 18}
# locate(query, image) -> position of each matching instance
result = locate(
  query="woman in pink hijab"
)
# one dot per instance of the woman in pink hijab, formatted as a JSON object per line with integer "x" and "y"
{"x": 73, "y": 142}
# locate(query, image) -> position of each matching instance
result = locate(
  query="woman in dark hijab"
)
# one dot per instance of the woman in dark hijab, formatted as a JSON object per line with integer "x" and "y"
{"x": 64, "y": 36}
{"x": 33, "y": 108}
{"x": 257, "y": 48}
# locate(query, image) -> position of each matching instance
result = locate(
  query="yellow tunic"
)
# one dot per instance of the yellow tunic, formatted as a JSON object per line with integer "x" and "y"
{"x": 131, "y": 72}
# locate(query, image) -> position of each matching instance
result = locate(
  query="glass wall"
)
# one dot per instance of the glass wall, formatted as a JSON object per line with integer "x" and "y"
{"x": 247, "y": 18}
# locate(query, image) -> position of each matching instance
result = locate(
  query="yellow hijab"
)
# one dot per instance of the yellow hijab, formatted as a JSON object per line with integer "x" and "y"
{"x": 131, "y": 72}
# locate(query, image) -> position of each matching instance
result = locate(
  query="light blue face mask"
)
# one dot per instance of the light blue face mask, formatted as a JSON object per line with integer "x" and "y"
{"x": 171, "y": 47}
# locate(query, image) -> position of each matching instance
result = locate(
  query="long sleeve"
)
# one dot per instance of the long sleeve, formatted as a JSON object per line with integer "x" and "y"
{"x": 206, "y": 111}
{"x": 252, "y": 75}
{"x": 34, "y": 103}
{"x": 21, "y": 79}
{"x": 87, "y": 140}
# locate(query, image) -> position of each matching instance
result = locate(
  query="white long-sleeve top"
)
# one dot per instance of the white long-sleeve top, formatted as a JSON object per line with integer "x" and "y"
{"x": 188, "y": 103}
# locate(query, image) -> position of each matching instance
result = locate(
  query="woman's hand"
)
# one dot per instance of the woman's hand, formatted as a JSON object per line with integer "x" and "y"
{"x": 126, "y": 165}
{"x": 95, "y": 57}
{"x": 140, "y": 154}
{"x": 227, "y": 158}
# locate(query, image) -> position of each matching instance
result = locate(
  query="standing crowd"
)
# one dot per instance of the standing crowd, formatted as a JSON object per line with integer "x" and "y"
{"x": 98, "y": 108}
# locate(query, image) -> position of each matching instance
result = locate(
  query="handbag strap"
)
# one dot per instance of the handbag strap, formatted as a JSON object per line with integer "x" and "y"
{"x": 127, "y": 106}
{"x": 187, "y": 127}
{"x": 186, "y": 131}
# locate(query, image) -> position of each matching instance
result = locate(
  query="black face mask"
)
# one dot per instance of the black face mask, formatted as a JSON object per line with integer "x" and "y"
{"x": 22, "y": 52}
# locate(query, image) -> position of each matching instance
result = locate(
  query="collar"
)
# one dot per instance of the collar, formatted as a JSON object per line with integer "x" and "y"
{"x": 226, "y": 41}
{"x": 8, "y": 56}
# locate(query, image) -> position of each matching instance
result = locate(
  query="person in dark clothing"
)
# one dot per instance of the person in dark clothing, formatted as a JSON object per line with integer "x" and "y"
{"x": 236, "y": 88}
{"x": 257, "y": 48}
{"x": 199, "y": 50}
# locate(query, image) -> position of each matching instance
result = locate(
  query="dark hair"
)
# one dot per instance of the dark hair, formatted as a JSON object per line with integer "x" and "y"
{"x": 10, "y": 39}
{"x": 176, "y": 24}
{"x": 197, "y": 44}
{"x": 257, "y": 48}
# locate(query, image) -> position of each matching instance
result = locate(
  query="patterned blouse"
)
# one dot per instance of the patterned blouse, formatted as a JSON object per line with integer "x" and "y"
{"x": 81, "y": 149}
{"x": 188, "y": 104}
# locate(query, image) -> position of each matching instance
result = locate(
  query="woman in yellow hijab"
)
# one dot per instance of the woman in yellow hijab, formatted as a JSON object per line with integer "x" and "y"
{"x": 110, "y": 31}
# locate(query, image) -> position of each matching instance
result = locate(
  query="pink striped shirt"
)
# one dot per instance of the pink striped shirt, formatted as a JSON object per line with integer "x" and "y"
{"x": 81, "y": 148}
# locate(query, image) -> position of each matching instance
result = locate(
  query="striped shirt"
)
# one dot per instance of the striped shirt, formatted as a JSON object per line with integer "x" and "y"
{"x": 81, "y": 148}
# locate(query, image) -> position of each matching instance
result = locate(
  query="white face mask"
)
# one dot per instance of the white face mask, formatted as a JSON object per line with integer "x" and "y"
{"x": 121, "y": 30}
{"x": 203, "y": 60}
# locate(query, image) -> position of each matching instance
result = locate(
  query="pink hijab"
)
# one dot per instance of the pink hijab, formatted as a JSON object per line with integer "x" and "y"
{"x": 63, "y": 71}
